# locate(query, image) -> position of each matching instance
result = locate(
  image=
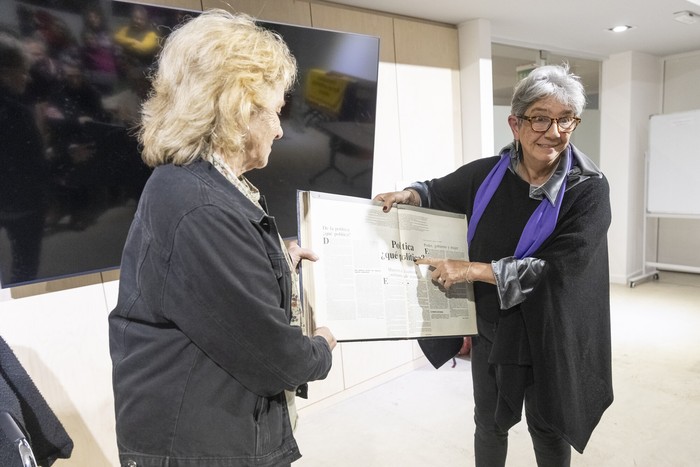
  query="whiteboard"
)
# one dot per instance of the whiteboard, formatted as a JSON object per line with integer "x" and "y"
{"x": 673, "y": 170}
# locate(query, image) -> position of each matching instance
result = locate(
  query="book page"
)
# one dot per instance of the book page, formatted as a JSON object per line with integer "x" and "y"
{"x": 432, "y": 310}
{"x": 365, "y": 286}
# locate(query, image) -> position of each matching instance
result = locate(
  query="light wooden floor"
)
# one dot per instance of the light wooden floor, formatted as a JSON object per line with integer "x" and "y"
{"x": 424, "y": 418}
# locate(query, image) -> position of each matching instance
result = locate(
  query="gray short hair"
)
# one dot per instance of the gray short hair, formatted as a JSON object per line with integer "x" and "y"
{"x": 549, "y": 81}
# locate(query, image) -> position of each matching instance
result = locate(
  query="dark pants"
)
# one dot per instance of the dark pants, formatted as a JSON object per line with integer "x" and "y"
{"x": 490, "y": 441}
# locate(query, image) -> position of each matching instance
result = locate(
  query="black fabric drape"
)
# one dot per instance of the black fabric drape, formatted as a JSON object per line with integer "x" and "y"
{"x": 20, "y": 397}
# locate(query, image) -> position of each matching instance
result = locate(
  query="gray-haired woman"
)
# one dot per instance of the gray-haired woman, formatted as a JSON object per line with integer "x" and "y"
{"x": 538, "y": 217}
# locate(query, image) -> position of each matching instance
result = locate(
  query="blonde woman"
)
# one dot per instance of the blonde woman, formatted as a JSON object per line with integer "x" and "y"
{"x": 203, "y": 340}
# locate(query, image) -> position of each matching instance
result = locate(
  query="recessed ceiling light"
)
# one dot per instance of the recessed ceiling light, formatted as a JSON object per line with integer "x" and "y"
{"x": 687, "y": 17}
{"x": 621, "y": 28}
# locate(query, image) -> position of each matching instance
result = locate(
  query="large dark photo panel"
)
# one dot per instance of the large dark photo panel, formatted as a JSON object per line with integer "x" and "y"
{"x": 328, "y": 122}
{"x": 70, "y": 170}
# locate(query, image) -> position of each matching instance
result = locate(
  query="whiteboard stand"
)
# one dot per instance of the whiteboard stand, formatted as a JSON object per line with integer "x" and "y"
{"x": 671, "y": 186}
{"x": 649, "y": 271}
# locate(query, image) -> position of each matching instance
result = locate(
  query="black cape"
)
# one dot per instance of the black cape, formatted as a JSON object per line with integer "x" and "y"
{"x": 567, "y": 316}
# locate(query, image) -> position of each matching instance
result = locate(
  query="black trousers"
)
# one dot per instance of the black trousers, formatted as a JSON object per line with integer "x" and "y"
{"x": 490, "y": 441}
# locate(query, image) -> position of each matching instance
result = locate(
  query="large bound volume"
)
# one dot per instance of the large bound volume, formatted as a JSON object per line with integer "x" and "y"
{"x": 366, "y": 286}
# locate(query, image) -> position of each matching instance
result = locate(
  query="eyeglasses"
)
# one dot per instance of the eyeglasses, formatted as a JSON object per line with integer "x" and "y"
{"x": 542, "y": 123}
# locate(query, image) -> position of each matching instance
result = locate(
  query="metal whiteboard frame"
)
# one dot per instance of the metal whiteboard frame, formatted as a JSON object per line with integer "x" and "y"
{"x": 650, "y": 269}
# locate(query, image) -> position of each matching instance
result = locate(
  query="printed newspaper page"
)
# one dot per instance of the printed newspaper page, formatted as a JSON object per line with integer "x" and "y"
{"x": 366, "y": 286}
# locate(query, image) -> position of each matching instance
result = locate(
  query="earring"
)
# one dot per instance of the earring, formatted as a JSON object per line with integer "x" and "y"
{"x": 517, "y": 146}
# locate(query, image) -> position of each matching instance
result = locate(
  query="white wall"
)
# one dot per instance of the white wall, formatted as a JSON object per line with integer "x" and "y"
{"x": 587, "y": 134}
{"x": 630, "y": 92}
{"x": 61, "y": 340}
{"x": 634, "y": 87}
{"x": 428, "y": 92}
{"x": 476, "y": 86}
{"x": 502, "y": 134}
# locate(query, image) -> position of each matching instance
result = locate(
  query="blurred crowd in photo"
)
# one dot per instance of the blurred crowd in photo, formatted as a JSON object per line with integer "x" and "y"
{"x": 68, "y": 110}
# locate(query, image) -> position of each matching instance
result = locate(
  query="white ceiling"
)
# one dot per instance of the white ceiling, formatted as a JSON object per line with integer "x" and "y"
{"x": 567, "y": 27}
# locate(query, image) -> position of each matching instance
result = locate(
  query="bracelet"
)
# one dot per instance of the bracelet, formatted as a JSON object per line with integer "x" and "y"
{"x": 469, "y": 281}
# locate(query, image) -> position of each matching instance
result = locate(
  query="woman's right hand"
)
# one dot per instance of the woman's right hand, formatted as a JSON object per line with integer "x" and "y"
{"x": 398, "y": 197}
{"x": 326, "y": 334}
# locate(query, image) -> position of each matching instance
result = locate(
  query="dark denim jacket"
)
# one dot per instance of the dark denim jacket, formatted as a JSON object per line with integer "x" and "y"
{"x": 200, "y": 340}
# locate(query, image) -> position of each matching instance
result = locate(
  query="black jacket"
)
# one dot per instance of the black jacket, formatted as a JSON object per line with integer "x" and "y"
{"x": 564, "y": 324}
{"x": 200, "y": 339}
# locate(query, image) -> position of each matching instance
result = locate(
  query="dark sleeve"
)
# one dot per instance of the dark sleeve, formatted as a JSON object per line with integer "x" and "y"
{"x": 516, "y": 278}
{"x": 222, "y": 290}
{"x": 455, "y": 191}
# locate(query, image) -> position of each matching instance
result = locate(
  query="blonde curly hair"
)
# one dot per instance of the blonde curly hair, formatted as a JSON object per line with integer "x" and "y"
{"x": 213, "y": 73}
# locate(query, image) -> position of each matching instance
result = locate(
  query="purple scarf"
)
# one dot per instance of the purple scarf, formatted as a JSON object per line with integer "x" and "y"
{"x": 542, "y": 222}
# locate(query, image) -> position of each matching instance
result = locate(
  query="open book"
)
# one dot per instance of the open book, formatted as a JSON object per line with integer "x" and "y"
{"x": 366, "y": 286}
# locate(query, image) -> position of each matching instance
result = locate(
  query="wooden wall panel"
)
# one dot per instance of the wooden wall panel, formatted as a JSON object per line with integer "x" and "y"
{"x": 360, "y": 22}
{"x": 183, "y": 4}
{"x": 39, "y": 288}
{"x": 278, "y": 11}
{"x": 426, "y": 44}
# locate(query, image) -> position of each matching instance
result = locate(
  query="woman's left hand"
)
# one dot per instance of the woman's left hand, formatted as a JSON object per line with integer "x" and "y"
{"x": 298, "y": 253}
{"x": 446, "y": 272}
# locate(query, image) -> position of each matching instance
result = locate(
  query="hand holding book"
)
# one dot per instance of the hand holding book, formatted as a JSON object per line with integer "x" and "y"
{"x": 366, "y": 284}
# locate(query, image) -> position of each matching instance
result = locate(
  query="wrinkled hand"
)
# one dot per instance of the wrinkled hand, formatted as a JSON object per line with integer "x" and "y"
{"x": 326, "y": 334}
{"x": 298, "y": 253}
{"x": 394, "y": 197}
{"x": 446, "y": 272}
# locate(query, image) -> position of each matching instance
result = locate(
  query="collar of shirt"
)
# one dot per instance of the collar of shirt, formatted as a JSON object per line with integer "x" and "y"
{"x": 242, "y": 183}
{"x": 551, "y": 187}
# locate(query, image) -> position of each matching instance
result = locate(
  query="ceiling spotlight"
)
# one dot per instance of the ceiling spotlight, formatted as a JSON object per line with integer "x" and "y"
{"x": 621, "y": 28}
{"x": 687, "y": 17}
